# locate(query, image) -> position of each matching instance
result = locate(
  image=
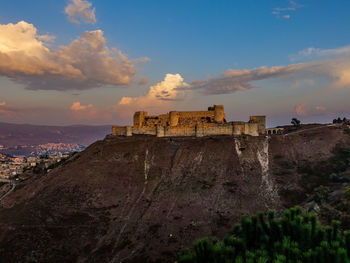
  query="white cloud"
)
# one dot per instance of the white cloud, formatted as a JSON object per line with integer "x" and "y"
{"x": 332, "y": 63}
{"x": 159, "y": 96}
{"x": 312, "y": 53}
{"x": 83, "y": 112}
{"x": 300, "y": 109}
{"x": 46, "y": 38}
{"x": 80, "y": 10}
{"x": 86, "y": 63}
{"x": 76, "y": 106}
{"x": 285, "y": 12}
{"x": 90, "y": 112}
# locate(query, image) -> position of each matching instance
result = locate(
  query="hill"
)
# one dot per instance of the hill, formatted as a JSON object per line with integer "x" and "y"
{"x": 142, "y": 198}
{"x": 14, "y": 136}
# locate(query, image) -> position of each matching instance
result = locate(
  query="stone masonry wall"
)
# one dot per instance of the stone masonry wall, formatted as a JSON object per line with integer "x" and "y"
{"x": 191, "y": 123}
{"x": 239, "y": 128}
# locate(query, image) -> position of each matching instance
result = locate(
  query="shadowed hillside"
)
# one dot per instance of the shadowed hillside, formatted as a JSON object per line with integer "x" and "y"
{"x": 142, "y": 198}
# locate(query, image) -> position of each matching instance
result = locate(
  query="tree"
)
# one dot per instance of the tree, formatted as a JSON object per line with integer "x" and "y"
{"x": 293, "y": 237}
{"x": 296, "y": 122}
{"x": 340, "y": 120}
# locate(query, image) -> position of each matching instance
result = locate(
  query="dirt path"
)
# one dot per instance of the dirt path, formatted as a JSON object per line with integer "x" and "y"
{"x": 13, "y": 183}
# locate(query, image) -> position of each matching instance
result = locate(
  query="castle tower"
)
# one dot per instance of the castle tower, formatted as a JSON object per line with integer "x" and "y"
{"x": 139, "y": 117}
{"x": 261, "y": 121}
{"x": 174, "y": 118}
{"x": 219, "y": 114}
{"x": 128, "y": 131}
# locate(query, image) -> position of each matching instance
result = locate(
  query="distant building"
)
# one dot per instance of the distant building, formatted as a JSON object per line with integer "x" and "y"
{"x": 191, "y": 123}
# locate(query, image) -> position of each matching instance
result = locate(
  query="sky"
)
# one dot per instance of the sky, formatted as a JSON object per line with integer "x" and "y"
{"x": 97, "y": 62}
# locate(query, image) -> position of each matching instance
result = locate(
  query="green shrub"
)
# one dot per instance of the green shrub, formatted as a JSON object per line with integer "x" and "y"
{"x": 294, "y": 237}
{"x": 321, "y": 194}
{"x": 347, "y": 193}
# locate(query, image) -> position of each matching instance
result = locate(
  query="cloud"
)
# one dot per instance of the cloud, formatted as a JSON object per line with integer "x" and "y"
{"x": 332, "y": 65}
{"x": 235, "y": 80}
{"x": 76, "y": 106}
{"x": 312, "y": 53}
{"x": 320, "y": 108}
{"x": 84, "y": 112}
{"x": 300, "y": 109}
{"x": 86, "y": 63}
{"x": 76, "y": 113}
{"x": 80, "y": 10}
{"x": 46, "y": 38}
{"x": 89, "y": 112}
{"x": 284, "y": 12}
{"x": 7, "y": 111}
{"x": 159, "y": 96}
{"x": 142, "y": 81}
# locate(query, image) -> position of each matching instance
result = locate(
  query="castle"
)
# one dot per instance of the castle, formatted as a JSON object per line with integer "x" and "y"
{"x": 191, "y": 123}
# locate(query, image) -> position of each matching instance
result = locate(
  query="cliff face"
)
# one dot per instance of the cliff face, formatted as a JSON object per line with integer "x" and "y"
{"x": 140, "y": 199}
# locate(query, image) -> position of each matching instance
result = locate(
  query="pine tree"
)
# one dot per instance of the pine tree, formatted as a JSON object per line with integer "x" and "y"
{"x": 295, "y": 237}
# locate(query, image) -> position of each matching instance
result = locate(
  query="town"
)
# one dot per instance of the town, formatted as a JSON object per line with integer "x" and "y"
{"x": 41, "y": 149}
{"x": 32, "y": 157}
{"x": 12, "y": 167}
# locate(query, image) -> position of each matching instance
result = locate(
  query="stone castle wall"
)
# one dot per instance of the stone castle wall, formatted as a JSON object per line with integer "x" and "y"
{"x": 191, "y": 123}
{"x": 198, "y": 131}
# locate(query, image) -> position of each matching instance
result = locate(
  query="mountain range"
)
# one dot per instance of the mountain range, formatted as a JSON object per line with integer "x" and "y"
{"x": 19, "y": 135}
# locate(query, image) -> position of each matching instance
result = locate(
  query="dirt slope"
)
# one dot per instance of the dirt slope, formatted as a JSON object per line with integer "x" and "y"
{"x": 140, "y": 199}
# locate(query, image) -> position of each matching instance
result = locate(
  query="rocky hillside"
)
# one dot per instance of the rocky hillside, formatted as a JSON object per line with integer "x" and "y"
{"x": 141, "y": 199}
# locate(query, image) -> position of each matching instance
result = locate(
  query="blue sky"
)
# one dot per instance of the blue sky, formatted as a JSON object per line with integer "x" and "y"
{"x": 199, "y": 40}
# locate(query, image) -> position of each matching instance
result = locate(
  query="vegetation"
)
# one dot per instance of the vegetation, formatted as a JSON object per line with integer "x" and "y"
{"x": 321, "y": 194}
{"x": 347, "y": 193}
{"x": 296, "y": 123}
{"x": 340, "y": 120}
{"x": 294, "y": 237}
{"x": 325, "y": 172}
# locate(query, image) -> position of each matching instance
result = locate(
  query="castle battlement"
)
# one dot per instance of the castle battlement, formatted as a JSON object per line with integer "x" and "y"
{"x": 191, "y": 123}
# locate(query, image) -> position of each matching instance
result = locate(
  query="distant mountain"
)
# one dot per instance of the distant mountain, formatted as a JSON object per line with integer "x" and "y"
{"x": 24, "y": 134}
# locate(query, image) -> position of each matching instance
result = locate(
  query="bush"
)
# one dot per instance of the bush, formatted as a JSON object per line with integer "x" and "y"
{"x": 321, "y": 194}
{"x": 294, "y": 237}
{"x": 347, "y": 193}
{"x": 296, "y": 123}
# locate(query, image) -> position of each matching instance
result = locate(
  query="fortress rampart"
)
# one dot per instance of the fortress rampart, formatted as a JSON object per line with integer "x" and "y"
{"x": 191, "y": 123}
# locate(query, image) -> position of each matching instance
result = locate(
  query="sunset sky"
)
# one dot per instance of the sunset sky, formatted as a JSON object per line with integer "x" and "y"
{"x": 96, "y": 62}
